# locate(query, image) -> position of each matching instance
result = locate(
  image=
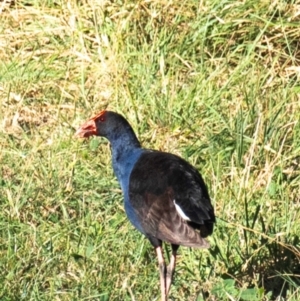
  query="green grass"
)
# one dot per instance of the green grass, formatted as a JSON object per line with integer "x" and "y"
{"x": 216, "y": 82}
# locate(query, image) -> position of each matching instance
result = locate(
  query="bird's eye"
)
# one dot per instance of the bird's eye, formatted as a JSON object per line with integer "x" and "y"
{"x": 102, "y": 119}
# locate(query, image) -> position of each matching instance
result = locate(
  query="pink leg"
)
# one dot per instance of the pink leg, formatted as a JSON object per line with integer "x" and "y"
{"x": 162, "y": 273}
{"x": 171, "y": 269}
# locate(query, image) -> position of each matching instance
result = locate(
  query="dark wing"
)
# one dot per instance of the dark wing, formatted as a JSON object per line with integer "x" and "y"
{"x": 170, "y": 199}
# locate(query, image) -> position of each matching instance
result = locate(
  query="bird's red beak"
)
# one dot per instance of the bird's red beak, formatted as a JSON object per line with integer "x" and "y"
{"x": 87, "y": 129}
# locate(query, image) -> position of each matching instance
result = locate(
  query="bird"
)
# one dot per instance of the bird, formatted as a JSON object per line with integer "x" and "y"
{"x": 165, "y": 197}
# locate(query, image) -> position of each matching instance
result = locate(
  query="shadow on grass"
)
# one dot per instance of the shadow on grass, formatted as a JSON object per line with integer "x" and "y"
{"x": 280, "y": 271}
{"x": 268, "y": 263}
{"x": 275, "y": 269}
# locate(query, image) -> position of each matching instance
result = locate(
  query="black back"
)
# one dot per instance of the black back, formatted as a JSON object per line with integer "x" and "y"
{"x": 156, "y": 181}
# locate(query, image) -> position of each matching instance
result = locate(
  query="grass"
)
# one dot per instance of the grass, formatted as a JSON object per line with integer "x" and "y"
{"x": 216, "y": 82}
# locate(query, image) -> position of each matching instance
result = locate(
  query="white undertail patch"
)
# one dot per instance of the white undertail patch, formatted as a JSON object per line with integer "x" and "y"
{"x": 181, "y": 213}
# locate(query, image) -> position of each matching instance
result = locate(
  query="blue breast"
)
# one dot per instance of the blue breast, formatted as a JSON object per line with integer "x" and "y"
{"x": 123, "y": 165}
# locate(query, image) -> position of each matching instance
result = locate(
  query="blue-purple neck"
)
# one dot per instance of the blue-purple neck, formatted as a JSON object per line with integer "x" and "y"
{"x": 126, "y": 149}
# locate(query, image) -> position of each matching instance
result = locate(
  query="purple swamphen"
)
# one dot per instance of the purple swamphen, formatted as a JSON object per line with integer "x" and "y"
{"x": 165, "y": 197}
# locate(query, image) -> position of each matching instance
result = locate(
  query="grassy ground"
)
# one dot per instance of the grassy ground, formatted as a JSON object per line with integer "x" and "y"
{"x": 214, "y": 81}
